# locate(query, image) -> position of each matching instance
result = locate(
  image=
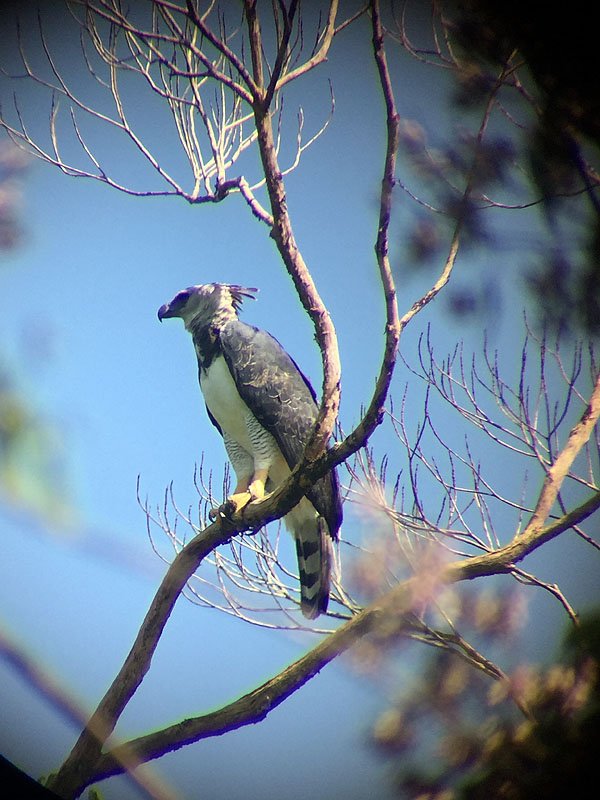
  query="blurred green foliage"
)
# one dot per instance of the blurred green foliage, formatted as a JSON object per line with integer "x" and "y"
{"x": 457, "y": 735}
{"x": 539, "y": 150}
{"x": 31, "y": 448}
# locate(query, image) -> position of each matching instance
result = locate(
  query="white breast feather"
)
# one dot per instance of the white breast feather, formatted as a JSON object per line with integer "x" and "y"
{"x": 224, "y": 402}
{"x": 228, "y": 408}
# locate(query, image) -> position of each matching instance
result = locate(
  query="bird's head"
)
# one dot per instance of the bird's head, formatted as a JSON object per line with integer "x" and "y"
{"x": 205, "y": 304}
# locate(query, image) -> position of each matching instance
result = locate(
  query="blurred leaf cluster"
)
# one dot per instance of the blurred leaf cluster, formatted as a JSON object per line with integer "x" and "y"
{"x": 537, "y": 147}
{"x": 31, "y": 456}
{"x": 31, "y": 452}
{"x": 458, "y": 736}
{"x": 562, "y": 142}
{"x": 13, "y": 163}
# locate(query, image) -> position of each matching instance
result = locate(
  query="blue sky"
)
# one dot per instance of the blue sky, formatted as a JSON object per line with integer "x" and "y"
{"x": 80, "y": 332}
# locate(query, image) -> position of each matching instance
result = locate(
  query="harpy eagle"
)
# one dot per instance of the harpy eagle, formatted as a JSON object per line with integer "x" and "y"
{"x": 264, "y": 408}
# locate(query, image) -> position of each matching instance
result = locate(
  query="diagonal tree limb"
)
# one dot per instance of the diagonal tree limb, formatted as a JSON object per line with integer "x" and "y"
{"x": 80, "y": 766}
{"x": 389, "y": 611}
{"x": 83, "y": 763}
{"x": 251, "y": 708}
{"x": 283, "y": 236}
{"x": 561, "y": 465}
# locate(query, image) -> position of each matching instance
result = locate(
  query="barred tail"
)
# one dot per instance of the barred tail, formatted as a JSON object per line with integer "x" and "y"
{"x": 313, "y": 547}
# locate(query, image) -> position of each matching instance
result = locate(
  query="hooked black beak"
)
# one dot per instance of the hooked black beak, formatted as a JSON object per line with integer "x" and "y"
{"x": 164, "y": 311}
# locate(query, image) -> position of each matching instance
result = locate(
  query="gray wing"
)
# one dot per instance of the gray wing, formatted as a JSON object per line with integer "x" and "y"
{"x": 281, "y": 398}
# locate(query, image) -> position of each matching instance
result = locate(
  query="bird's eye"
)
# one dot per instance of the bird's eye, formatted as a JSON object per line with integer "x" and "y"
{"x": 181, "y": 300}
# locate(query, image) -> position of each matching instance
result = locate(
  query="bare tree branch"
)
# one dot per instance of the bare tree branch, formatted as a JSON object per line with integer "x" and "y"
{"x": 79, "y": 768}
{"x": 88, "y": 747}
{"x": 389, "y": 611}
{"x": 284, "y": 238}
{"x": 181, "y": 54}
{"x": 223, "y": 119}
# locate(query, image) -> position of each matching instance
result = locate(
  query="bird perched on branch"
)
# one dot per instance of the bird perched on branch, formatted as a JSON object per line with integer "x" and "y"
{"x": 264, "y": 408}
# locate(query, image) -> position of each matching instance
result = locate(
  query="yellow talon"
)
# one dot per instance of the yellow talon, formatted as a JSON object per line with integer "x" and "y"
{"x": 239, "y": 500}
